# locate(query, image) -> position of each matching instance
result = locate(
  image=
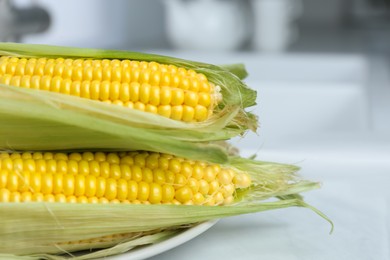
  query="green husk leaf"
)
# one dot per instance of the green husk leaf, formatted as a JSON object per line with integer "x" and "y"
{"x": 47, "y": 225}
{"x": 42, "y": 124}
{"x": 237, "y": 69}
{"x": 235, "y": 93}
{"x": 18, "y": 257}
{"x": 269, "y": 180}
{"x": 49, "y": 102}
{"x": 118, "y": 248}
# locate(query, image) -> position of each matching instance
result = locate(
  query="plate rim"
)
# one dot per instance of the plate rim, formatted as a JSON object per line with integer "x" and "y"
{"x": 170, "y": 243}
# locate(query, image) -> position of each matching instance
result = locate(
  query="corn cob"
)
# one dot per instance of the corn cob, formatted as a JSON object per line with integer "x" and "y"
{"x": 203, "y": 102}
{"x": 125, "y": 177}
{"x": 167, "y": 90}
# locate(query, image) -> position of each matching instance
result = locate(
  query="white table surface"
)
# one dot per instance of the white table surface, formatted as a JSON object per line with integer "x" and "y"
{"x": 355, "y": 195}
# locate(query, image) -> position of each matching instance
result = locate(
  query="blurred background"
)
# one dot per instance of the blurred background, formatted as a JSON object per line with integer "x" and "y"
{"x": 322, "y": 72}
{"x": 224, "y": 25}
{"x": 321, "y": 68}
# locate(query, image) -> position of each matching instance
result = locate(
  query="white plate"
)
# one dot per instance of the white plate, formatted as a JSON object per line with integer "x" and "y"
{"x": 152, "y": 250}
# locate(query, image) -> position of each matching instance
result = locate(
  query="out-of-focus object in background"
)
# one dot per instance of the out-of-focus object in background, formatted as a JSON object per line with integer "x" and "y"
{"x": 16, "y": 22}
{"x": 208, "y": 25}
{"x": 119, "y": 24}
{"x": 274, "y": 28}
{"x": 369, "y": 13}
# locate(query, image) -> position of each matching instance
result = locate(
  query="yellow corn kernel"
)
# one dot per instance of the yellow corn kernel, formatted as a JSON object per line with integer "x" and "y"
{"x": 24, "y": 81}
{"x": 75, "y": 89}
{"x": 94, "y": 90}
{"x": 188, "y": 114}
{"x": 67, "y": 72}
{"x": 104, "y": 90}
{"x": 147, "y": 175}
{"x": 126, "y": 74}
{"x": 164, "y": 110}
{"x": 204, "y": 99}
{"x": 85, "y": 91}
{"x": 158, "y": 176}
{"x": 15, "y": 81}
{"x": 204, "y": 187}
{"x": 228, "y": 200}
{"x": 224, "y": 177}
{"x": 11, "y": 67}
{"x": 198, "y": 199}
{"x": 210, "y": 201}
{"x": 209, "y": 174}
{"x": 77, "y": 73}
{"x": 5, "y": 195}
{"x": 193, "y": 184}
{"x": 197, "y": 171}
{"x": 228, "y": 190}
{"x": 200, "y": 113}
{"x": 178, "y": 97}
{"x": 5, "y": 79}
{"x": 184, "y": 194}
{"x": 26, "y": 155}
{"x": 165, "y": 96}
{"x": 135, "y": 74}
{"x": 87, "y": 73}
{"x": 15, "y": 197}
{"x": 191, "y": 98}
{"x": 219, "y": 199}
{"x": 213, "y": 187}
{"x": 116, "y": 73}
{"x": 136, "y": 173}
{"x": 168, "y": 193}
{"x": 116, "y": 102}
{"x": 177, "y": 113}
{"x": 180, "y": 180}
{"x": 26, "y": 196}
{"x": 166, "y": 79}
{"x": 174, "y": 165}
{"x": 143, "y": 191}
{"x": 155, "y": 196}
{"x": 155, "y": 76}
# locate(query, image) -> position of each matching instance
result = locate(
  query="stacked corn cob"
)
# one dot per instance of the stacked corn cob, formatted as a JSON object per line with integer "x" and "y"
{"x": 154, "y": 116}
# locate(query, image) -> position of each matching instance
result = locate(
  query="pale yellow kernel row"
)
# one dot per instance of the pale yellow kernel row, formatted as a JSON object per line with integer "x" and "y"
{"x": 168, "y": 102}
{"x": 150, "y": 160}
{"x": 106, "y": 90}
{"x": 88, "y": 189}
{"x": 15, "y": 197}
{"x": 92, "y": 186}
{"x": 142, "y": 159}
{"x": 4, "y": 60}
{"x": 140, "y": 176}
{"x": 123, "y": 72}
{"x": 202, "y": 177}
